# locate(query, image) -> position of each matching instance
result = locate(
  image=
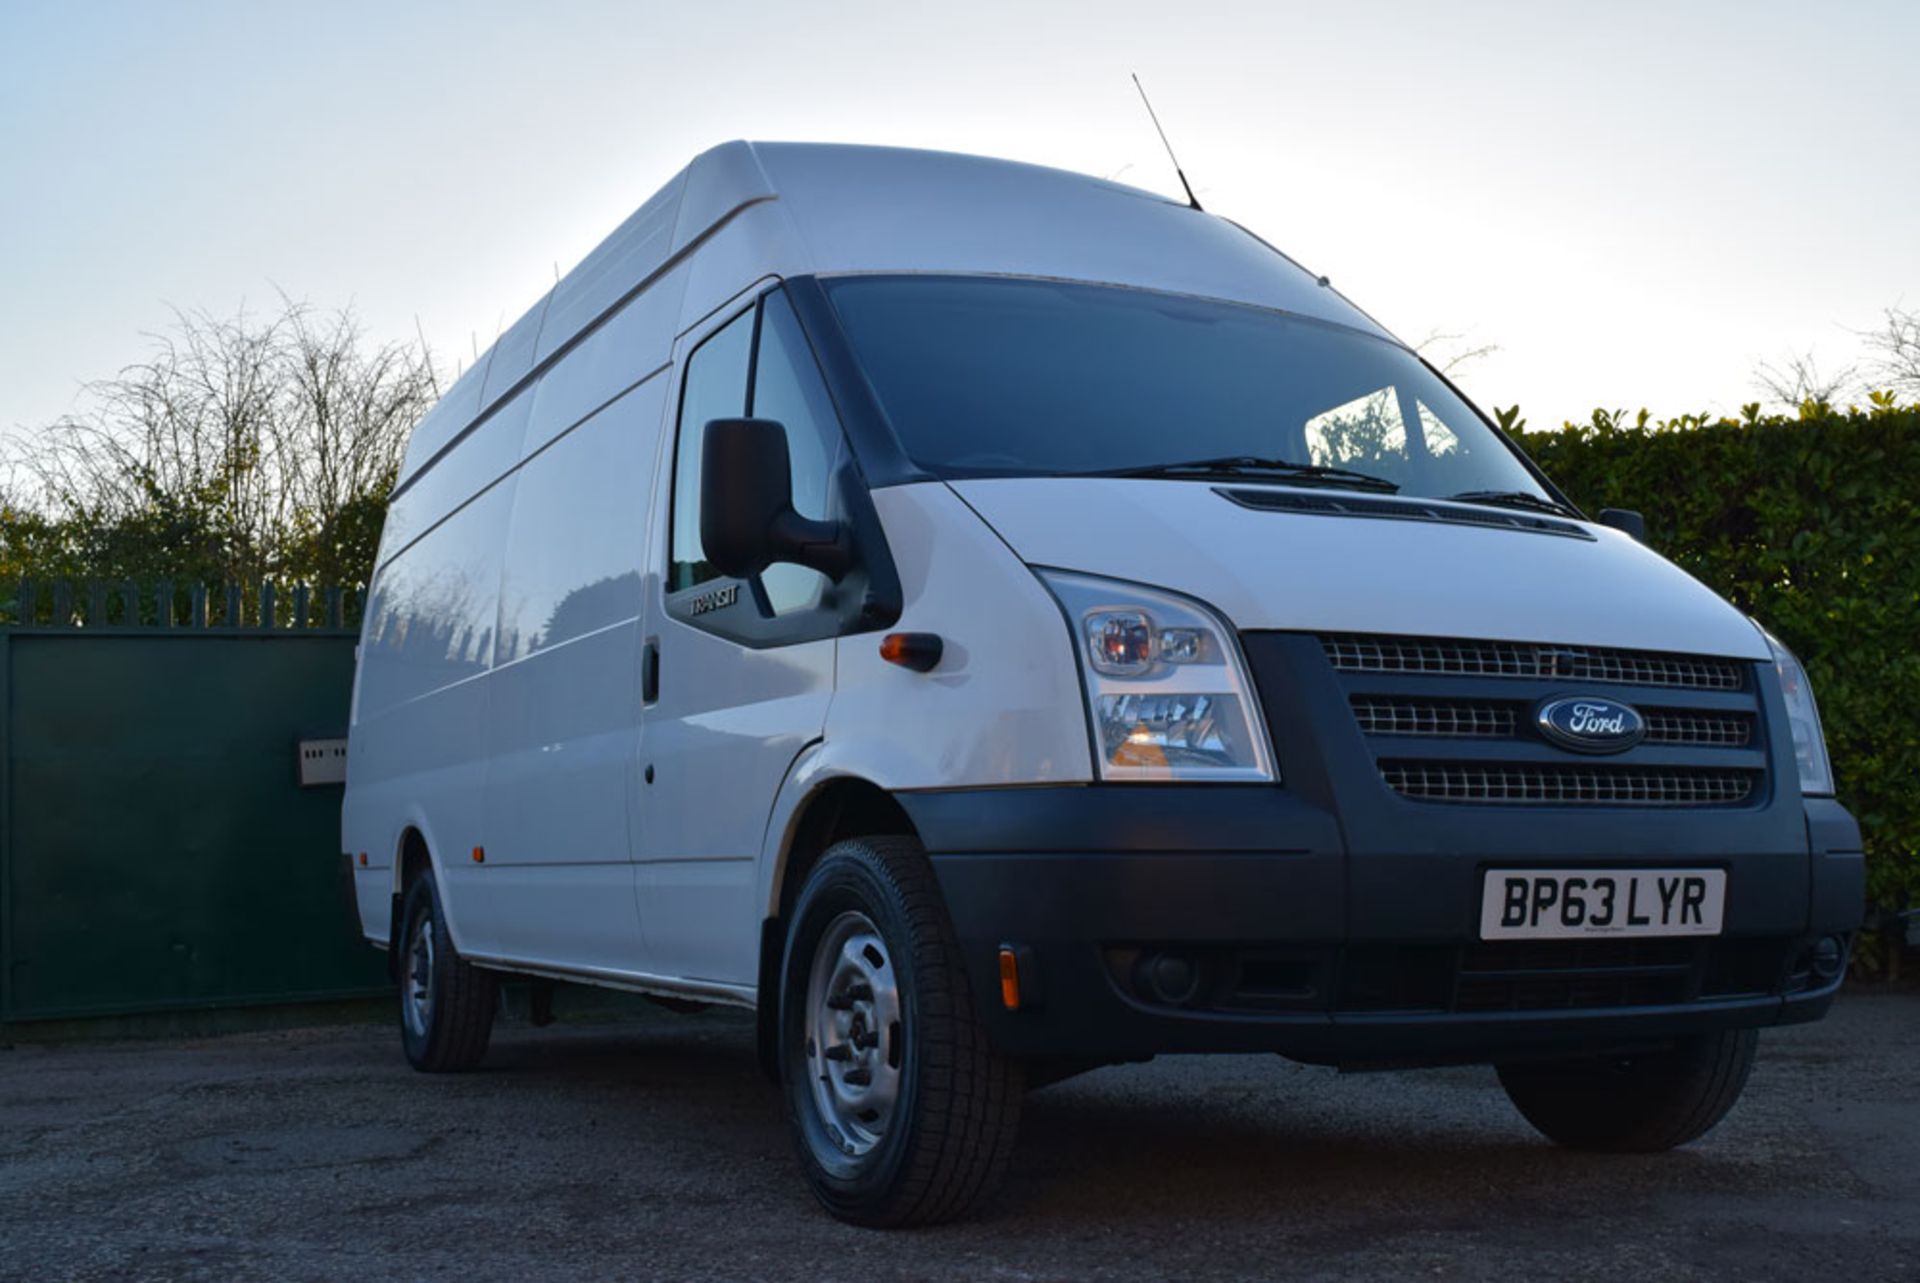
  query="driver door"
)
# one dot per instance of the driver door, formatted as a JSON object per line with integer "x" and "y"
{"x": 744, "y": 666}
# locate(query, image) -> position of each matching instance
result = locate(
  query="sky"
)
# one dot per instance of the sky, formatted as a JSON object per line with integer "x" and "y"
{"x": 1635, "y": 203}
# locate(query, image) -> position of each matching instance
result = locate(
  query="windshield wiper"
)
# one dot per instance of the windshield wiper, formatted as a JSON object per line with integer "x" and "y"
{"x": 1514, "y": 499}
{"x": 1247, "y": 465}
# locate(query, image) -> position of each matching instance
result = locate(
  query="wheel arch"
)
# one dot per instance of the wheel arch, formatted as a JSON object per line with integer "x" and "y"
{"x": 820, "y": 809}
{"x": 837, "y": 808}
{"x": 411, "y": 857}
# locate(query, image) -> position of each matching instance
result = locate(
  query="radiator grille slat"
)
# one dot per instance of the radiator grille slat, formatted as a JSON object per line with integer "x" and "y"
{"x": 1538, "y": 785}
{"x": 1684, "y": 726}
{"x": 1373, "y": 653}
{"x": 1454, "y": 719}
{"x": 1492, "y": 719}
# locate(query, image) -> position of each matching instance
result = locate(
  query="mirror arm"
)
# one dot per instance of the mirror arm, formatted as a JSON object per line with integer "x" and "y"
{"x": 825, "y": 546}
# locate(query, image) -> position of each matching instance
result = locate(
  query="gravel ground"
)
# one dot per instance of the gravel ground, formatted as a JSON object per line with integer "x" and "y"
{"x": 650, "y": 1148}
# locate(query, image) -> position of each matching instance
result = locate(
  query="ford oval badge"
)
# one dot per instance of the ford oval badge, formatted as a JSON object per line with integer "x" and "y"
{"x": 1591, "y": 724}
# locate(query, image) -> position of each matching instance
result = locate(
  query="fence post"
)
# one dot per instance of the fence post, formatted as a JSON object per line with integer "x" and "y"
{"x": 333, "y": 608}
{"x": 163, "y": 603}
{"x": 23, "y": 609}
{"x": 130, "y": 602}
{"x": 197, "y": 607}
{"x": 63, "y": 603}
{"x": 233, "y": 606}
{"x": 96, "y": 603}
{"x": 266, "y": 603}
{"x": 301, "y": 593}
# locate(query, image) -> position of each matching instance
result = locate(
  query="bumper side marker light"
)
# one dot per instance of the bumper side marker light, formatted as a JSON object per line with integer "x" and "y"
{"x": 1020, "y": 981}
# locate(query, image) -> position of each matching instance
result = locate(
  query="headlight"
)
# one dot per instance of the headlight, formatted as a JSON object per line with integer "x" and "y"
{"x": 1167, "y": 693}
{"x": 1803, "y": 718}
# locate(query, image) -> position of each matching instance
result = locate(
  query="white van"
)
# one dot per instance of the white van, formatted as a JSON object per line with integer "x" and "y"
{"x": 994, "y": 623}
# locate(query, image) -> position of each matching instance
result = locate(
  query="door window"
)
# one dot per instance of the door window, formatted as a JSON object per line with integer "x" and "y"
{"x": 785, "y": 386}
{"x": 715, "y": 387}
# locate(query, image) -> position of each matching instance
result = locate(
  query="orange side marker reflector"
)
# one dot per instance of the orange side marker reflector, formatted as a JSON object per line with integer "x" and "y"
{"x": 1009, "y": 980}
{"x": 919, "y": 651}
{"x": 363, "y": 859}
{"x": 479, "y": 855}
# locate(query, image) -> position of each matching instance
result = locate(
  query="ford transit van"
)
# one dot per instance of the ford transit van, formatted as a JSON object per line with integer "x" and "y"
{"x": 993, "y": 623}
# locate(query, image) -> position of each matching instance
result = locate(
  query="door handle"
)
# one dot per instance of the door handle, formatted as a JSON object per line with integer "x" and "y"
{"x": 650, "y": 671}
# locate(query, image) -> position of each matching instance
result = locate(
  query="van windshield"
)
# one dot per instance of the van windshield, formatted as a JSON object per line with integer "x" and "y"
{"x": 1006, "y": 376}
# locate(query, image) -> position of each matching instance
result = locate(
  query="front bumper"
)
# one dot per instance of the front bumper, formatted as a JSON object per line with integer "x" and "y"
{"x": 1304, "y": 947}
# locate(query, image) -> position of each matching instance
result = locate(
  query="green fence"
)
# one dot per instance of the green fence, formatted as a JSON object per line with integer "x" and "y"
{"x": 157, "y": 851}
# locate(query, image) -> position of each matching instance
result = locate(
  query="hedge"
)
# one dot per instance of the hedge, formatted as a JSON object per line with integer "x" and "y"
{"x": 1812, "y": 526}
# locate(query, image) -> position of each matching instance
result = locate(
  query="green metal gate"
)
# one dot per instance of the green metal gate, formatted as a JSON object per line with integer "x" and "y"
{"x": 157, "y": 852}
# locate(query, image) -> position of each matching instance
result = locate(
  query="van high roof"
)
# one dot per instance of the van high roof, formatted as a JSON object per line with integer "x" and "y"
{"x": 826, "y": 208}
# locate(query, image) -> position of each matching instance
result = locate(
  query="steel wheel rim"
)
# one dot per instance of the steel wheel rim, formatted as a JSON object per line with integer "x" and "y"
{"x": 855, "y": 1034}
{"x": 416, "y": 989}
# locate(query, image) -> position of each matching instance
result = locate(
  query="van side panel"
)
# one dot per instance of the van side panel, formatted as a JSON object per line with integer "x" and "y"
{"x": 449, "y": 417}
{"x": 512, "y": 357}
{"x": 486, "y": 454}
{"x": 416, "y": 753}
{"x": 423, "y": 693}
{"x": 565, "y": 706}
{"x": 635, "y": 250}
{"x": 632, "y": 344}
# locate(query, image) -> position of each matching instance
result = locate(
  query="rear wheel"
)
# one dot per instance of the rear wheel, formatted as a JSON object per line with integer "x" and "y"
{"x": 1635, "y": 1104}
{"x": 902, "y": 1112}
{"x": 446, "y": 1003}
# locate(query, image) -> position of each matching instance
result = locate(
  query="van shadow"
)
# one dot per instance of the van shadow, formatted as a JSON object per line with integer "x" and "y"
{"x": 1242, "y": 1141}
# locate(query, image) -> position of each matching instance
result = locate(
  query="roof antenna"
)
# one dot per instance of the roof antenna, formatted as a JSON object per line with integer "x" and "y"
{"x": 1191, "y": 198}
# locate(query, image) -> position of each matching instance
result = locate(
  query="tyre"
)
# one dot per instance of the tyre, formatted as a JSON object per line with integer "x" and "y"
{"x": 1635, "y": 1104}
{"x": 901, "y": 1111}
{"x": 446, "y": 1003}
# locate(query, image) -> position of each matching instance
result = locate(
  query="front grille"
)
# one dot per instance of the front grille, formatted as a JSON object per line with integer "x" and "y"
{"x": 1371, "y": 653}
{"x": 1447, "y": 721}
{"x": 1554, "y": 785}
{"x": 1497, "y": 719}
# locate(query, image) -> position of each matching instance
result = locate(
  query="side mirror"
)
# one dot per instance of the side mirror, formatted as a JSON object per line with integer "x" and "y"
{"x": 1625, "y": 520}
{"x": 747, "y": 521}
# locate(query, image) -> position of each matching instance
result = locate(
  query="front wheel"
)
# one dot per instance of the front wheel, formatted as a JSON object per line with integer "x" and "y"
{"x": 902, "y": 1112}
{"x": 1635, "y": 1104}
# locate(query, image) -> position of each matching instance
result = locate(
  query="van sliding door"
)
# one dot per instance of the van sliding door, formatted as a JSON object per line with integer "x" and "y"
{"x": 565, "y": 699}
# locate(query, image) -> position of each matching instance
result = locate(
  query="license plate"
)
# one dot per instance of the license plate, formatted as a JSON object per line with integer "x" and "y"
{"x": 1548, "y": 904}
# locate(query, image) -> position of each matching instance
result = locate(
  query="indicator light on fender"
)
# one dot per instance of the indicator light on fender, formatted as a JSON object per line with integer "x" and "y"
{"x": 363, "y": 859}
{"x": 1009, "y": 978}
{"x": 479, "y": 855}
{"x": 918, "y": 651}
